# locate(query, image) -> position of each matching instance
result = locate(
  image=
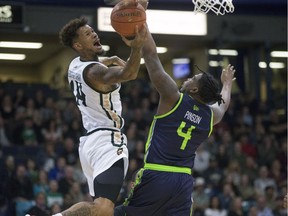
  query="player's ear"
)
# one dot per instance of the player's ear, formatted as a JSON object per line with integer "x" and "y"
{"x": 194, "y": 90}
{"x": 77, "y": 46}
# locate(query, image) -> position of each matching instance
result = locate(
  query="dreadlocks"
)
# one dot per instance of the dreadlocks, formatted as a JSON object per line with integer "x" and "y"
{"x": 209, "y": 90}
{"x": 69, "y": 32}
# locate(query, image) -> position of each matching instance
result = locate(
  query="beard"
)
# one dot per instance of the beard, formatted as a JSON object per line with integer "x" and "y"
{"x": 101, "y": 53}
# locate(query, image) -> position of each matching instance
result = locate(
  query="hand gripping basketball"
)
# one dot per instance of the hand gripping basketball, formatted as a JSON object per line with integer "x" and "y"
{"x": 126, "y": 15}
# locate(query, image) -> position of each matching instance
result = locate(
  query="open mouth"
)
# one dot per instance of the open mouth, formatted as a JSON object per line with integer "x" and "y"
{"x": 97, "y": 44}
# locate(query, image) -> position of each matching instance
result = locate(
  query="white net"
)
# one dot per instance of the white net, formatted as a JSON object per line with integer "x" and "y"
{"x": 219, "y": 7}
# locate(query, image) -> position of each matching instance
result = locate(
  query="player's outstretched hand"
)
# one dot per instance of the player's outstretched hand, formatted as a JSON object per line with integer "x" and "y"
{"x": 227, "y": 75}
{"x": 139, "y": 39}
{"x": 144, "y": 3}
{"x": 113, "y": 60}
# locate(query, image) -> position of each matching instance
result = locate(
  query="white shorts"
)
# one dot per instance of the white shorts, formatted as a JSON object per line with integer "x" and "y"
{"x": 99, "y": 151}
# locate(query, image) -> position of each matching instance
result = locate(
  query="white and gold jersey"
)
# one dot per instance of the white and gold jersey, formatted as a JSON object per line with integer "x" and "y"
{"x": 99, "y": 110}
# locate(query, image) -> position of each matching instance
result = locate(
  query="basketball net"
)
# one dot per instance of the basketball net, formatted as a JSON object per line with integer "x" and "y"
{"x": 219, "y": 7}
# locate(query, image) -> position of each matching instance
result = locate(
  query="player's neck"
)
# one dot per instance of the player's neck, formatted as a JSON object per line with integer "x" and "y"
{"x": 89, "y": 58}
{"x": 197, "y": 98}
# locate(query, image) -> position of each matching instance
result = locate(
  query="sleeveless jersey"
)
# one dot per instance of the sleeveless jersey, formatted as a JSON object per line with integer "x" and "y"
{"x": 174, "y": 137}
{"x": 98, "y": 110}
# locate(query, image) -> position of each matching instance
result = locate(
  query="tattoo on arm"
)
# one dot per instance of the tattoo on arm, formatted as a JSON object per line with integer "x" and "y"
{"x": 80, "y": 209}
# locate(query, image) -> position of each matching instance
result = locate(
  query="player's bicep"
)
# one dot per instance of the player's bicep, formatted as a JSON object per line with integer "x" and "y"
{"x": 101, "y": 74}
{"x": 218, "y": 113}
{"x": 162, "y": 81}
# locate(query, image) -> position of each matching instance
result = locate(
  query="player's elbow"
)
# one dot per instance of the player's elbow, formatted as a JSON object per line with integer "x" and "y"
{"x": 129, "y": 76}
{"x": 133, "y": 76}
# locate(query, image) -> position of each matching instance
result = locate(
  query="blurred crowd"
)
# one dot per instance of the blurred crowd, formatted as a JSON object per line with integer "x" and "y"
{"x": 240, "y": 171}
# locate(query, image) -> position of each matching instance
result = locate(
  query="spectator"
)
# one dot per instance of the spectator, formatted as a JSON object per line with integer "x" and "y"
{"x": 138, "y": 153}
{"x": 74, "y": 195}
{"x": 19, "y": 185}
{"x": 248, "y": 148}
{"x": 222, "y": 155}
{"x": 277, "y": 125}
{"x": 277, "y": 174}
{"x": 3, "y": 206}
{"x": 131, "y": 133}
{"x": 47, "y": 111}
{"x": 52, "y": 132}
{"x": 66, "y": 182}
{"x": 246, "y": 115}
{"x": 215, "y": 208}
{"x": 282, "y": 156}
{"x": 259, "y": 128}
{"x": 267, "y": 150}
{"x": 70, "y": 151}
{"x": 280, "y": 209}
{"x": 213, "y": 174}
{"x": 6, "y": 173}
{"x": 253, "y": 211}
{"x": 55, "y": 208}
{"x": 32, "y": 170}
{"x": 19, "y": 188}
{"x": 40, "y": 207}
{"x": 263, "y": 181}
{"x": 234, "y": 171}
{"x": 200, "y": 197}
{"x": 41, "y": 184}
{"x": 7, "y": 110}
{"x": 246, "y": 188}
{"x": 250, "y": 168}
{"x": 30, "y": 109}
{"x": 227, "y": 196}
{"x": 28, "y": 133}
{"x": 263, "y": 209}
{"x": 270, "y": 196}
{"x": 19, "y": 100}
{"x": 236, "y": 207}
{"x": 47, "y": 157}
{"x": 74, "y": 130}
{"x": 39, "y": 99}
{"x": 54, "y": 196}
{"x": 58, "y": 171}
{"x": 237, "y": 153}
{"x": 5, "y": 139}
{"x": 202, "y": 159}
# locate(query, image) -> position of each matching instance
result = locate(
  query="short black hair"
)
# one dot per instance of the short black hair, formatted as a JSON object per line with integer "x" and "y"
{"x": 209, "y": 89}
{"x": 68, "y": 33}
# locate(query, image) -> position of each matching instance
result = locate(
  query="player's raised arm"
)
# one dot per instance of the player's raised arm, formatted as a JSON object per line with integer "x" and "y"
{"x": 162, "y": 81}
{"x": 227, "y": 78}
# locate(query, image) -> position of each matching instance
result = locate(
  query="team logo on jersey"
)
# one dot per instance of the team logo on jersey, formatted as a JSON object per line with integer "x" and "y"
{"x": 196, "y": 108}
{"x": 119, "y": 151}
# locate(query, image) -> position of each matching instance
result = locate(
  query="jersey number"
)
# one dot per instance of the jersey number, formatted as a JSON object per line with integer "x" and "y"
{"x": 186, "y": 135}
{"x": 76, "y": 88}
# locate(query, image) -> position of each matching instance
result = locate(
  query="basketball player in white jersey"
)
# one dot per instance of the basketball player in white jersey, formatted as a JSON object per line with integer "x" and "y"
{"x": 102, "y": 151}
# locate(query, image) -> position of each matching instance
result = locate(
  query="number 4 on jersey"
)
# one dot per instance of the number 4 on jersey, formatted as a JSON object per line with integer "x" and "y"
{"x": 186, "y": 135}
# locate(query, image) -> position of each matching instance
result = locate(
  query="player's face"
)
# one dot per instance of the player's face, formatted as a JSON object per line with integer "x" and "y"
{"x": 191, "y": 84}
{"x": 89, "y": 40}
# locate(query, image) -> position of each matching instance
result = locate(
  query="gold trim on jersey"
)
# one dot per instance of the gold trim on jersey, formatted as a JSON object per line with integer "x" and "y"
{"x": 108, "y": 107}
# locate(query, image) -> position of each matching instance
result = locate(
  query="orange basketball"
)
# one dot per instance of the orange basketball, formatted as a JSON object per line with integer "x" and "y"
{"x": 126, "y": 15}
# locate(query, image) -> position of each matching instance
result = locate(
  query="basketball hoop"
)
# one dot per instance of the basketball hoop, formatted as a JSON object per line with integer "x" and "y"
{"x": 219, "y": 7}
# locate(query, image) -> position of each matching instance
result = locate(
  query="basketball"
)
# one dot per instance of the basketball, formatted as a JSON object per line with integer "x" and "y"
{"x": 125, "y": 16}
